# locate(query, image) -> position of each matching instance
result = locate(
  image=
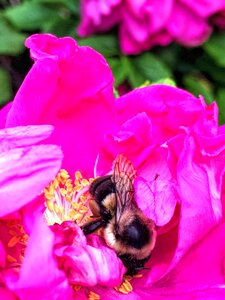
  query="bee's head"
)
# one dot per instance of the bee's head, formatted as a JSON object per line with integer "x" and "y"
{"x": 133, "y": 264}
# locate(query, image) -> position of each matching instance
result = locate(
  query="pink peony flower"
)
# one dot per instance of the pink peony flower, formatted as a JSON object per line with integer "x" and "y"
{"x": 176, "y": 146}
{"x": 144, "y": 24}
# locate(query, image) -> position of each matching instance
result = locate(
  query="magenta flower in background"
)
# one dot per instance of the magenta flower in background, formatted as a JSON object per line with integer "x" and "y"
{"x": 173, "y": 140}
{"x": 147, "y": 23}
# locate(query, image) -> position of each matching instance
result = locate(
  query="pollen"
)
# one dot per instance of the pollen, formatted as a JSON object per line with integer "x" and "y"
{"x": 11, "y": 259}
{"x": 17, "y": 242}
{"x": 93, "y": 296}
{"x": 66, "y": 199}
{"x": 125, "y": 287}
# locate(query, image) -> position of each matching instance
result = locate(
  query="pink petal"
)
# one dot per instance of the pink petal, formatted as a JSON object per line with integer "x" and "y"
{"x": 23, "y": 136}
{"x": 187, "y": 28}
{"x": 40, "y": 277}
{"x": 86, "y": 263}
{"x": 207, "y": 124}
{"x": 168, "y": 108}
{"x": 6, "y": 294}
{"x": 24, "y": 172}
{"x": 205, "y": 8}
{"x": 157, "y": 199}
{"x": 199, "y": 274}
{"x": 200, "y": 212}
{"x": 97, "y": 16}
{"x": 130, "y": 46}
{"x": 140, "y": 20}
{"x": 133, "y": 140}
{"x": 2, "y": 255}
{"x": 155, "y": 164}
{"x": 68, "y": 86}
{"x": 3, "y": 114}
{"x": 66, "y": 234}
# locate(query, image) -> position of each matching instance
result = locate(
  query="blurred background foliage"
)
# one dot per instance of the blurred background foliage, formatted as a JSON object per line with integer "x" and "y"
{"x": 200, "y": 70}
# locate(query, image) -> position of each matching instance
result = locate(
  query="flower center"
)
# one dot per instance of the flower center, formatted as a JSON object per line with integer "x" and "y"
{"x": 67, "y": 200}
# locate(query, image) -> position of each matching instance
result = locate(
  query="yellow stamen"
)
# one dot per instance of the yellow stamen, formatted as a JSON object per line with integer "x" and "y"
{"x": 50, "y": 204}
{"x": 78, "y": 175}
{"x": 11, "y": 259}
{"x": 93, "y": 296}
{"x": 63, "y": 192}
{"x": 13, "y": 241}
{"x": 17, "y": 242}
{"x": 84, "y": 182}
{"x": 63, "y": 201}
{"x": 125, "y": 287}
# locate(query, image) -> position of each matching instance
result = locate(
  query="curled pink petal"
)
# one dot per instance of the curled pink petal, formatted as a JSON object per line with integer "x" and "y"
{"x": 88, "y": 262}
{"x": 169, "y": 110}
{"x": 24, "y": 172}
{"x": 157, "y": 199}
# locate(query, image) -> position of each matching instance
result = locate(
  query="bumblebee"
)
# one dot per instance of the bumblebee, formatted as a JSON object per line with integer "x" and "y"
{"x": 126, "y": 229}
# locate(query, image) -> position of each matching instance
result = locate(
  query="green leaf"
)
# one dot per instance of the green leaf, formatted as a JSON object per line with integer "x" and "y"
{"x": 220, "y": 99}
{"x": 151, "y": 67}
{"x": 169, "y": 55}
{"x": 29, "y": 15}
{"x": 11, "y": 42}
{"x": 5, "y": 87}
{"x": 207, "y": 65}
{"x": 134, "y": 77}
{"x": 72, "y": 5}
{"x": 167, "y": 81}
{"x": 199, "y": 85}
{"x": 107, "y": 45}
{"x": 215, "y": 48}
{"x": 118, "y": 70}
{"x": 59, "y": 26}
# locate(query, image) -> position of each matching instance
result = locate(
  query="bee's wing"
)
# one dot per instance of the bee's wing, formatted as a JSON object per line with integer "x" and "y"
{"x": 123, "y": 178}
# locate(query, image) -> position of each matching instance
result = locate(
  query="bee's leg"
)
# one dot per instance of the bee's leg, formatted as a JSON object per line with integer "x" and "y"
{"x": 92, "y": 226}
